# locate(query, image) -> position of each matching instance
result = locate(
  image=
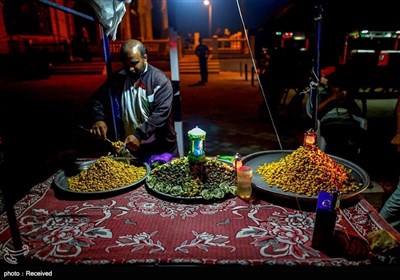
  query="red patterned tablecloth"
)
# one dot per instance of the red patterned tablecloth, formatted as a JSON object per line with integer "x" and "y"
{"x": 137, "y": 227}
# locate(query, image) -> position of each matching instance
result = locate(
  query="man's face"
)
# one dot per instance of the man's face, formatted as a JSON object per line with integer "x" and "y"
{"x": 134, "y": 63}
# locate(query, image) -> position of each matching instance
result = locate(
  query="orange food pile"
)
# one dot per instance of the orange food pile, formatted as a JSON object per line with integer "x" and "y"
{"x": 307, "y": 171}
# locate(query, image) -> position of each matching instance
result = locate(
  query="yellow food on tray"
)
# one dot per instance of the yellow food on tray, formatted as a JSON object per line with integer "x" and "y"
{"x": 106, "y": 174}
{"x": 306, "y": 171}
{"x": 119, "y": 148}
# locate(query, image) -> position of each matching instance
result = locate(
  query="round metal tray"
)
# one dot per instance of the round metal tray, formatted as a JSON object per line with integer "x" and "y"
{"x": 61, "y": 179}
{"x": 257, "y": 159}
{"x": 184, "y": 199}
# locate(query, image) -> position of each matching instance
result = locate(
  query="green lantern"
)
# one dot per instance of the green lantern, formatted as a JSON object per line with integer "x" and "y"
{"x": 197, "y": 138}
{"x": 196, "y": 156}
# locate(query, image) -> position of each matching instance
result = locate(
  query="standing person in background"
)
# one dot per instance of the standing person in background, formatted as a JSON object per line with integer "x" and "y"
{"x": 189, "y": 41}
{"x": 227, "y": 35}
{"x": 142, "y": 103}
{"x": 203, "y": 52}
{"x": 80, "y": 46}
{"x": 391, "y": 209}
{"x": 263, "y": 62}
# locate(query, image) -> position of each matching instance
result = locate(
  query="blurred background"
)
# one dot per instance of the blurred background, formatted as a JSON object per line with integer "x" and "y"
{"x": 53, "y": 57}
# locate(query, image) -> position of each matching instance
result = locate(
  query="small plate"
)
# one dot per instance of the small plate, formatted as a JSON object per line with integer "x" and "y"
{"x": 61, "y": 179}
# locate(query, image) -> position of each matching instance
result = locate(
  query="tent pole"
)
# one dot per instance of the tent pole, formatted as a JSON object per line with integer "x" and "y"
{"x": 314, "y": 89}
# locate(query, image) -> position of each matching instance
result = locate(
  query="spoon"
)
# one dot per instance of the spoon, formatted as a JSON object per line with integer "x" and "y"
{"x": 125, "y": 152}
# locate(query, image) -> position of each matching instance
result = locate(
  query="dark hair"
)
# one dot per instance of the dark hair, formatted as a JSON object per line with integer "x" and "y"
{"x": 142, "y": 49}
{"x": 130, "y": 44}
{"x": 339, "y": 78}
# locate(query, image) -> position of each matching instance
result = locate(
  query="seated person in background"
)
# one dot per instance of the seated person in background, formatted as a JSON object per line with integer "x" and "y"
{"x": 335, "y": 102}
{"x": 391, "y": 209}
{"x": 142, "y": 105}
{"x": 342, "y": 130}
{"x": 396, "y": 139}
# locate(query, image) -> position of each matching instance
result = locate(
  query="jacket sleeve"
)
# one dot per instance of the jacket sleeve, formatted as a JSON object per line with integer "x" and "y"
{"x": 97, "y": 103}
{"x": 98, "y": 112}
{"x": 100, "y": 104}
{"x": 161, "y": 108}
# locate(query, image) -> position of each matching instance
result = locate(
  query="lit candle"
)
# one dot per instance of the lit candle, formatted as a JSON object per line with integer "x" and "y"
{"x": 238, "y": 161}
{"x": 310, "y": 138}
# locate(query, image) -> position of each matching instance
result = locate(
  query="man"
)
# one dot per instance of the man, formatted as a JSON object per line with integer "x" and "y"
{"x": 396, "y": 139}
{"x": 202, "y": 52}
{"x": 341, "y": 125}
{"x": 391, "y": 209}
{"x": 142, "y": 105}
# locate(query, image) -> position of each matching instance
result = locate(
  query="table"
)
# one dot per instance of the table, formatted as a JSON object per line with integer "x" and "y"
{"x": 136, "y": 227}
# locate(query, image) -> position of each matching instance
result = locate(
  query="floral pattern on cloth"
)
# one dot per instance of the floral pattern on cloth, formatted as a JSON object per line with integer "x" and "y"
{"x": 137, "y": 227}
{"x": 146, "y": 203}
{"x": 60, "y": 234}
{"x": 36, "y": 194}
{"x": 284, "y": 233}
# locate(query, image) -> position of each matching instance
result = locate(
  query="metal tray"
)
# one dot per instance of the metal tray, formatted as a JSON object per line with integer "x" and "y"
{"x": 61, "y": 179}
{"x": 185, "y": 199}
{"x": 259, "y": 158}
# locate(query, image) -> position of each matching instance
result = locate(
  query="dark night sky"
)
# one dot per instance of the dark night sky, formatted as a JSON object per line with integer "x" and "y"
{"x": 192, "y": 15}
{"x": 263, "y": 17}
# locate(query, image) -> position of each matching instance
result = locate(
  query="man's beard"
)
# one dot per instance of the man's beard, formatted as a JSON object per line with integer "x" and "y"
{"x": 133, "y": 75}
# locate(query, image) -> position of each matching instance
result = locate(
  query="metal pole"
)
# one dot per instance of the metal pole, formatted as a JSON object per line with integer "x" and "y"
{"x": 174, "y": 63}
{"x": 346, "y": 46}
{"x": 210, "y": 20}
{"x": 13, "y": 223}
{"x": 177, "y": 111}
{"x": 314, "y": 90}
{"x": 107, "y": 60}
{"x": 252, "y": 75}
{"x": 66, "y": 9}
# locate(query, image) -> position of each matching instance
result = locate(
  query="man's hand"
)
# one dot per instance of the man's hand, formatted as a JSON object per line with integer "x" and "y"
{"x": 99, "y": 129}
{"x": 396, "y": 141}
{"x": 132, "y": 143}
